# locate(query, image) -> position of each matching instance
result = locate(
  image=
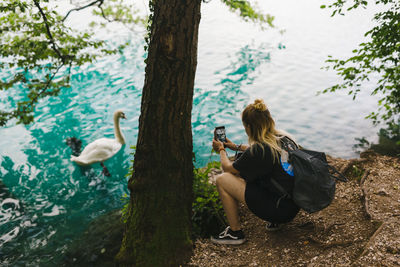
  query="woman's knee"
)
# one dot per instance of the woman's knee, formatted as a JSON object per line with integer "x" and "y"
{"x": 232, "y": 185}
{"x": 221, "y": 179}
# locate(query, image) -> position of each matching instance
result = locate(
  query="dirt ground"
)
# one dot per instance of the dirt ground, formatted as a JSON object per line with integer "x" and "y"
{"x": 360, "y": 228}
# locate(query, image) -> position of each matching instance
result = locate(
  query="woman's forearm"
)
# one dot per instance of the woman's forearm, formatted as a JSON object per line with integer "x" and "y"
{"x": 226, "y": 164}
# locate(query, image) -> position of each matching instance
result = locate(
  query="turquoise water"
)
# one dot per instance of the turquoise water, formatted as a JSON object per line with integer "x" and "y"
{"x": 47, "y": 201}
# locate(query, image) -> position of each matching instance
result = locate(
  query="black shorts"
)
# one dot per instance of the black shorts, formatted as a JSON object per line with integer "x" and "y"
{"x": 262, "y": 202}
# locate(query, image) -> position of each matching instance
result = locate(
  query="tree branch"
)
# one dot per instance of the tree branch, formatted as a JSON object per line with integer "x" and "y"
{"x": 327, "y": 245}
{"x": 83, "y": 7}
{"x": 46, "y": 22}
{"x": 44, "y": 89}
{"x": 104, "y": 15}
{"x": 47, "y": 84}
{"x": 18, "y": 113}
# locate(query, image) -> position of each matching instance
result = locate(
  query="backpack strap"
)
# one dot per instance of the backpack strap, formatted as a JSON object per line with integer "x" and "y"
{"x": 340, "y": 176}
{"x": 282, "y": 190}
{"x": 288, "y": 144}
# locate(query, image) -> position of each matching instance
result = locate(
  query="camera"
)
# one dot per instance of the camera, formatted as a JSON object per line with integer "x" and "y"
{"x": 220, "y": 134}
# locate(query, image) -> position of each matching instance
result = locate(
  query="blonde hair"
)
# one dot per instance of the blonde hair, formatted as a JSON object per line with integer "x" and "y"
{"x": 261, "y": 128}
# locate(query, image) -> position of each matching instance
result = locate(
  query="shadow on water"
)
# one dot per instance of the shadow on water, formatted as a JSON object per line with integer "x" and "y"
{"x": 224, "y": 103}
{"x": 75, "y": 144}
{"x": 4, "y": 191}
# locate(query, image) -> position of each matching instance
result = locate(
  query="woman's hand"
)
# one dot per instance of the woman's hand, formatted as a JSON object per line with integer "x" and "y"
{"x": 229, "y": 144}
{"x": 217, "y": 145}
{"x": 226, "y": 164}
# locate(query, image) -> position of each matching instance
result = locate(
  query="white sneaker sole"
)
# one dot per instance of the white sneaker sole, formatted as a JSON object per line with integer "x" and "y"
{"x": 227, "y": 241}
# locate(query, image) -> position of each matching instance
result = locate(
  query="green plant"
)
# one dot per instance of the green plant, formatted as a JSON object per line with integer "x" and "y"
{"x": 208, "y": 214}
{"x": 388, "y": 143}
{"x": 389, "y": 140}
{"x": 392, "y": 131}
{"x": 361, "y": 145}
{"x": 357, "y": 172}
{"x": 125, "y": 208}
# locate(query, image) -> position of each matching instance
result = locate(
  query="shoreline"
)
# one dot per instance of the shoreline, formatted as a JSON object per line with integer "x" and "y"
{"x": 359, "y": 227}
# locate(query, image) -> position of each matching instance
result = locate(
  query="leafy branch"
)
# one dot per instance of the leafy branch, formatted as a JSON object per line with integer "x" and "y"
{"x": 339, "y": 7}
{"x": 249, "y": 13}
{"x": 25, "y": 108}
{"x": 99, "y": 2}
{"x": 48, "y": 31}
{"x": 381, "y": 56}
{"x": 119, "y": 11}
{"x": 37, "y": 47}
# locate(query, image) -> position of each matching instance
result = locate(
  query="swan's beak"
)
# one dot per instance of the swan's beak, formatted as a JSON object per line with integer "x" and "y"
{"x": 123, "y": 115}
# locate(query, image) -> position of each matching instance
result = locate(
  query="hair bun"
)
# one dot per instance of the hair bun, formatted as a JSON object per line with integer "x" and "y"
{"x": 259, "y": 105}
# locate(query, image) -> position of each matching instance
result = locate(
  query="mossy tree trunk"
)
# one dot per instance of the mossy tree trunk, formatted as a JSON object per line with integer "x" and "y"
{"x": 159, "y": 223}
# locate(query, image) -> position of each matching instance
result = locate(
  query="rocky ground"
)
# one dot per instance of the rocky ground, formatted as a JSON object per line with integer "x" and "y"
{"x": 360, "y": 228}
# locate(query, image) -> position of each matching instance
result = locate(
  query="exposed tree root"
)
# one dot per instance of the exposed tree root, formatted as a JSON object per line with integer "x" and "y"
{"x": 328, "y": 228}
{"x": 364, "y": 177}
{"x": 365, "y": 203}
{"x": 364, "y": 196}
{"x": 370, "y": 242}
{"x": 326, "y": 245}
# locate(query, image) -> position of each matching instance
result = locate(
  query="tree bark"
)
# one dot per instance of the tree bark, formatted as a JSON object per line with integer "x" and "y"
{"x": 158, "y": 230}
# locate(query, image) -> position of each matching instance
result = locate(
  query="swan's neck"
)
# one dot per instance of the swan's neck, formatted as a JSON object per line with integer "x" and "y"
{"x": 117, "y": 131}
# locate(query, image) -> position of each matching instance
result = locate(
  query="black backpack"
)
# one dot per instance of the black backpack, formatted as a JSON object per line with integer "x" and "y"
{"x": 314, "y": 184}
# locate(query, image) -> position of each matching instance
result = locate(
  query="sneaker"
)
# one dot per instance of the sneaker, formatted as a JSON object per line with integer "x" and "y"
{"x": 229, "y": 237}
{"x": 272, "y": 226}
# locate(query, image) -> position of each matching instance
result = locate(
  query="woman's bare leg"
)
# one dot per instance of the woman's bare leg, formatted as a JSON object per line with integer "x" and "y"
{"x": 231, "y": 190}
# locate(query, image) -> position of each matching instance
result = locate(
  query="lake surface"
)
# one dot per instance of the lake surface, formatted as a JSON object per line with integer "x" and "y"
{"x": 46, "y": 201}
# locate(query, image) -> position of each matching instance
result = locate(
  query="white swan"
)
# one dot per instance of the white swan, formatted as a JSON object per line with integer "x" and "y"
{"x": 104, "y": 148}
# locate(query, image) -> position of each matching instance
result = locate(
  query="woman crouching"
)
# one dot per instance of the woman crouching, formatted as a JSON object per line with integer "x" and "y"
{"x": 248, "y": 178}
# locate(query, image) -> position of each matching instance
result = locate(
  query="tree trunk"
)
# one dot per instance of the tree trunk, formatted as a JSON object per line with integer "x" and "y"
{"x": 158, "y": 231}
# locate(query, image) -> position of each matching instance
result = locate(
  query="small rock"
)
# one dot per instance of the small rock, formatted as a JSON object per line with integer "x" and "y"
{"x": 382, "y": 192}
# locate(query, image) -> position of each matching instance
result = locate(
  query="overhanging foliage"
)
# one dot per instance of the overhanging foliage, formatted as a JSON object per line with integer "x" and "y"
{"x": 40, "y": 51}
{"x": 381, "y": 56}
